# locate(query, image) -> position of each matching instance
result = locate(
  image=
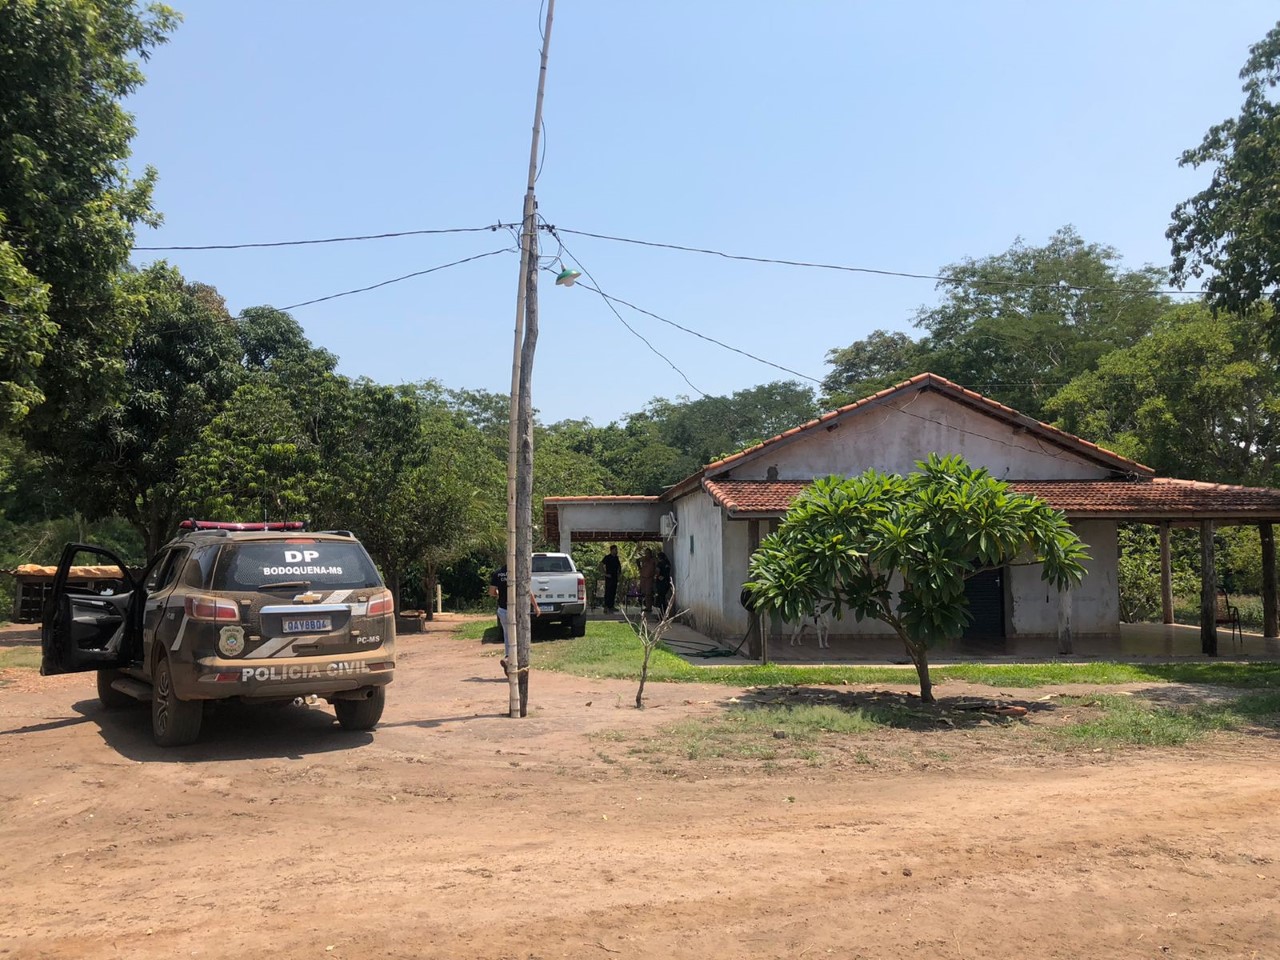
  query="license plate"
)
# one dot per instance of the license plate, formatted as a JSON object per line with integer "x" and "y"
{"x": 314, "y": 625}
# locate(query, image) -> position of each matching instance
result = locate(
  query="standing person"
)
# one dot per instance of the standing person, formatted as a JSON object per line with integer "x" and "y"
{"x": 662, "y": 585}
{"x": 648, "y": 573}
{"x": 498, "y": 589}
{"x": 612, "y": 570}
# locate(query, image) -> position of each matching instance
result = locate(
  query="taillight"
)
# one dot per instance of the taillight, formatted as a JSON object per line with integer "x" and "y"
{"x": 381, "y": 605}
{"x": 582, "y": 589}
{"x": 211, "y": 608}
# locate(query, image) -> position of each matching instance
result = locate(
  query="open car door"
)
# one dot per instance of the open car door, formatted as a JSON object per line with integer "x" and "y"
{"x": 88, "y": 619}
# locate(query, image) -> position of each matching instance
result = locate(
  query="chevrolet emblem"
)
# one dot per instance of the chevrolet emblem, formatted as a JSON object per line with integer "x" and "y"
{"x": 308, "y": 598}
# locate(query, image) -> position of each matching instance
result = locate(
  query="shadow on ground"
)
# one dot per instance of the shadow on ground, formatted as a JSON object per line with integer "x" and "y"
{"x": 231, "y": 731}
{"x": 903, "y": 710}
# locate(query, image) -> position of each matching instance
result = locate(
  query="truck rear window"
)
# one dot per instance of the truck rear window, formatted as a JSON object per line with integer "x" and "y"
{"x": 340, "y": 565}
{"x": 552, "y": 565}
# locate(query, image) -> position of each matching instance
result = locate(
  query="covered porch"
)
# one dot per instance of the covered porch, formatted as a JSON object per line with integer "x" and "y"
{"x": 1162, "y": 502}
{"x": 602, "y": 519}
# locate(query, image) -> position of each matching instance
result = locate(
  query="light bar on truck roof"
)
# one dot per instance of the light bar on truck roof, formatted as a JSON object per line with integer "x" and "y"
{"x": 225, "y": 525}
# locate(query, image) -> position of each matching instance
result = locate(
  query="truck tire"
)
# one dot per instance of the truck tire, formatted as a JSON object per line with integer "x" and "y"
{"x": 174, "y": 722}
{"x": 110, "y": 698}
{"x": 578, "y": 626}
{"x": 361, "y": 714}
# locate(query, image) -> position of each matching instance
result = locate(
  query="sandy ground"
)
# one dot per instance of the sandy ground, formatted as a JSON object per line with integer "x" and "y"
{"x": 453, "y": 831}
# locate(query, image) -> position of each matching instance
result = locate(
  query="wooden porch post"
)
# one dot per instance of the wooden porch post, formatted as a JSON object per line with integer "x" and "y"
{"x": 754, "y": 644}
{"x": 1208, "y": 592}
{"x": 1166, "y": 575}
{"x": 1270, "y": 617}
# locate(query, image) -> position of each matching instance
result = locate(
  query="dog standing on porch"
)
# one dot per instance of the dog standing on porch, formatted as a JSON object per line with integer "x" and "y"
{"x": 820, "y": 621}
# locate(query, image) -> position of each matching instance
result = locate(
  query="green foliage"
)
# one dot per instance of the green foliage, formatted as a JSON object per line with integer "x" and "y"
{"x": 1138, "y": 569}
{"x": 1186, "y": 610}
{"x": 1199, "y": 397}
{"x": 254, "y": 460}
{"x": 1014, "y": 326}
{"x": 25, "y": 333}
{"x": 847, "y": 542}
{"x": 67, "y": 199}
{"x": 179, "y": 369}
{"x": 1228, "y": 231}
{"x": 872, "y": 364}
{"x": 412, "y": 478}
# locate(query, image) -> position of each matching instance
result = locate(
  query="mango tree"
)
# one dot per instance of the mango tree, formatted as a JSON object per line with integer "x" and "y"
{"x": 899, "y": 549}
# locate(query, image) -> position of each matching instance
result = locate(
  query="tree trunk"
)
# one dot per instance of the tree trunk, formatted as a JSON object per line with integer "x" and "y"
{"x": 394, "y": 585}
{"x": 429, "y": 585}
{"x": 919, "y": 655}
{"x": 644, "y": 675}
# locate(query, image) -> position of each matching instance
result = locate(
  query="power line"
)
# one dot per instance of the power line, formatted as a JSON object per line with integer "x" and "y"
{"x": 634, "y": 332}
{"x": 703, "y": 336}
{"x": 777, "y": 261}
{"x": 407, "y": 276}
{"x": 305, "y": 243}
{"x": 872, "y": 270}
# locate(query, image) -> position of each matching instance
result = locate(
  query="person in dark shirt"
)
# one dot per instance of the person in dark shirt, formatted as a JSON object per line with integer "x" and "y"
{"x": 498, "y": 589}
{"x": 612, "y": 570}
{"x": 662, "y": 583}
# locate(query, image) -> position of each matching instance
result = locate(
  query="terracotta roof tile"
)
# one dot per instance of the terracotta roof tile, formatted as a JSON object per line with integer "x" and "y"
{"x": 1146, "y": 499}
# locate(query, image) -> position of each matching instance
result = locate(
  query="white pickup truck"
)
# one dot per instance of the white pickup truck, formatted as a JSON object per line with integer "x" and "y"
{"x": 561, "y": 592}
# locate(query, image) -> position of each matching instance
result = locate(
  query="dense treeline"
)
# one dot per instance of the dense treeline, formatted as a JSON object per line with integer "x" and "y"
{"x": 132, "y": 398}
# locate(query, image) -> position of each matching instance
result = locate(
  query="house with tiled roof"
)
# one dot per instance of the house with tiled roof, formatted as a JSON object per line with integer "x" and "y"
{"x": 713, "y": 520}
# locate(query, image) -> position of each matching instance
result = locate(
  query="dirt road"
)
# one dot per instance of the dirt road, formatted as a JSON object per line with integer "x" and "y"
{"x": 455, "y": 832}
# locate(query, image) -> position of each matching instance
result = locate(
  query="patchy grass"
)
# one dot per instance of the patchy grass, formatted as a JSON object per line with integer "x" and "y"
{"x": 760, "y": 733}
{"x": 611, "y": 649}
{"x": 20, "y": 658}
{"x": 1132, "y": 721}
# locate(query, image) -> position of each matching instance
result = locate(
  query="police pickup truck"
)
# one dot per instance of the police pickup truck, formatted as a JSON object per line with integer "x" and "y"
{"x": 561, "y": 592}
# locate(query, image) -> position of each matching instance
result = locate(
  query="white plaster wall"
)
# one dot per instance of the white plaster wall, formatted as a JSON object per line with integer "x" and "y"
{"x": 736, "y": 548}
{"x": 697, "y": 558}
{"x": 1095, "y": 603}
{"x": 893, "y": 436}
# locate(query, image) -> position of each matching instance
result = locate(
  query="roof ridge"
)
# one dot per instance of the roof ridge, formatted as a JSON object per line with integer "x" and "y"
{"x": 919, "y": 381}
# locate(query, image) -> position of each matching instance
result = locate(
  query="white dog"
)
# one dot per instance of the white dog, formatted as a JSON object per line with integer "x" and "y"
{"x": 821, "y": 623}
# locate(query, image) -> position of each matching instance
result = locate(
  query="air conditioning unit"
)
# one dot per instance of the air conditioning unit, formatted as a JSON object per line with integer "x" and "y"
{"x": 667, "y": 526}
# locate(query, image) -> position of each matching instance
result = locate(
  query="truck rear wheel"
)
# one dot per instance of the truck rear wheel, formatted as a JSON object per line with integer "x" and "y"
{"x": 361, "y": 714}
{"x": 174, "y": 722}
{"x": 578, "y": 626}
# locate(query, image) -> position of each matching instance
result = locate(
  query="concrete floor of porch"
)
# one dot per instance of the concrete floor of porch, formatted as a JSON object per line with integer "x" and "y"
{"x": 1141, "y": 642}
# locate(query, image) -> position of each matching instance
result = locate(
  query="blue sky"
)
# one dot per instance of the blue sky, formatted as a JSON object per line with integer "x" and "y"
{"x": 900, "y": 136}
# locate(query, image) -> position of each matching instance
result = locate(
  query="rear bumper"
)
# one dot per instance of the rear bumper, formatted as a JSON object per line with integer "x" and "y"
{"x": 217, "y": 678}
{"x": 566, "y": 610}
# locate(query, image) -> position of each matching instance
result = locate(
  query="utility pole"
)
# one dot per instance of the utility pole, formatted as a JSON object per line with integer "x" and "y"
{"x": 520, "y": 427}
